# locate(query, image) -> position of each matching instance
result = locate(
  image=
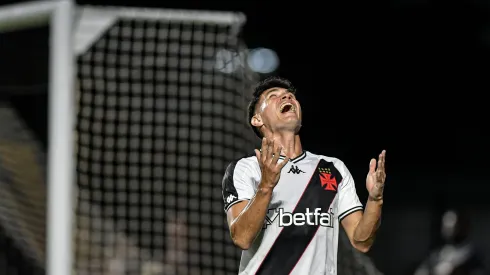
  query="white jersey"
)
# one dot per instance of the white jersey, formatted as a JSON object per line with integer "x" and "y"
{"x": 301, "y": 230}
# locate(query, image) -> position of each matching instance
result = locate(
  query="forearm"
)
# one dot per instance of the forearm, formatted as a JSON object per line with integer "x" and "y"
{"x": 248, "y": 224}
{"x": 365, "y": 231}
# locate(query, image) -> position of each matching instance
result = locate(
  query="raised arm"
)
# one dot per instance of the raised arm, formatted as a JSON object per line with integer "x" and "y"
{"x": 361, "y": 227}
{"x": 246, "y": 217}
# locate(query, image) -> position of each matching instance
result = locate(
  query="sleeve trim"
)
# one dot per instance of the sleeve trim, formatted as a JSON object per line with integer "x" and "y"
{"x": 233, "y": 203}
{"x": 350, "y": 211}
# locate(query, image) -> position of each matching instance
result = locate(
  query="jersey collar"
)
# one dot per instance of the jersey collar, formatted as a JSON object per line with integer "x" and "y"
{"x": 296, "y": 159}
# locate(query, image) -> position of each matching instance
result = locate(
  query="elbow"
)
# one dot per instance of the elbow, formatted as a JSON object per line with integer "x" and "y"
{"x": 363, "y": 247}
{"x": 239, "y": 239}
{"x": 243, "y": 245}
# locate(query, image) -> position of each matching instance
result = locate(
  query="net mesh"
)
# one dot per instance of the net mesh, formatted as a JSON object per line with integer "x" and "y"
{"x": 159, "y": 119}
{"x": 23, "y": 95}
{"x": 160, "y": 115}
{"x": 22, "y": 196}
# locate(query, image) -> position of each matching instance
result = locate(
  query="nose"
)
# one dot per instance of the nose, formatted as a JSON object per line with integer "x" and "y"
{"x": 286, "y": 96}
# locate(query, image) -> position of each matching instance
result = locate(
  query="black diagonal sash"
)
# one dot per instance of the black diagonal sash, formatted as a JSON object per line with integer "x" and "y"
{"x": 293, "y": 240}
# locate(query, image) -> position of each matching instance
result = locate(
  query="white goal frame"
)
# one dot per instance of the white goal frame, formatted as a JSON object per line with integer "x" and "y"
{"x": 93, "y": 21}
{"x": 73, "y": 30}
{"x": 61, "y": 117}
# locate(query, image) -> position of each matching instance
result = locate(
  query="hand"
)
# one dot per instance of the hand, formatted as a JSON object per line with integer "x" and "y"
{"x": 375, "y": 181}
{"x": 268, "y": 157}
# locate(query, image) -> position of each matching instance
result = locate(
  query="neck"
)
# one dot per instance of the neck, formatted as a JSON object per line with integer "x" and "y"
{"x": 290, "y": 142}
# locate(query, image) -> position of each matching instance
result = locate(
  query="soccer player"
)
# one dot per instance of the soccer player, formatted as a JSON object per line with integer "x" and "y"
{"x": 284, "y": 204}
{"x": 458, "y": 254}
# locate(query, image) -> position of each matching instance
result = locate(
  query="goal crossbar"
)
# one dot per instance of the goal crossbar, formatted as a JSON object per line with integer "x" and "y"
{"x": 67, "y": 32}
{"x": 215, "y": 17}
{"x": 94, "y": 21}
{"x": 25, "y": 15}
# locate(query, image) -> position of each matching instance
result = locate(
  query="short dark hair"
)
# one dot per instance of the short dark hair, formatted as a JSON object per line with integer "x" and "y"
{"x": 262, "y": 86}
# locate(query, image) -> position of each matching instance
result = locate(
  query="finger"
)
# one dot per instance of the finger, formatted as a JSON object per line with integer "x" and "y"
{"x": 257, "y": 154}
{"x": 372, "y": 166}
{"x": 265, "y": 153}
{"x": 276, "y": 155}
{"x": 284, "y": 162}
{"x": 380, "y": 172}
{"x": 270, "y": 150}
{"x": 263, "y": 150}
{"x": 381, "y": 161}
{"x": 264, "y": 144}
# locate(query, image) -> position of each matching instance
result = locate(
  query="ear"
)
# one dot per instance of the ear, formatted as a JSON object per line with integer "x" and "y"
{"x": 257, "y": 121}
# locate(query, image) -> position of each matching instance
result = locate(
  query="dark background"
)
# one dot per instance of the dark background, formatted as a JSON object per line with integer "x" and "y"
{"x": 408, "y": 76}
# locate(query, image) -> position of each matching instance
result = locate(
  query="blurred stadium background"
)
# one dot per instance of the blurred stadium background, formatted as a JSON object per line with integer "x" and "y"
{"x": 160, "y": 104}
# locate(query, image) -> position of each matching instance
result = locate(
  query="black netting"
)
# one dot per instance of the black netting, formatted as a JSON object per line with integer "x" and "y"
{"x": 23, "y": 116}
{"x": 160, "y": 115}
{"x": 22, "y": 196}
{"x": 159, "y": 119}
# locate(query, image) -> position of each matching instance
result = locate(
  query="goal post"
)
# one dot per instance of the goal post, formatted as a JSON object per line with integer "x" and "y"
{"x": 157, "y": 113}
{"x": 174, "y": 85}
{"x": 60, "y": 161}
{"x": 161, "y": 112}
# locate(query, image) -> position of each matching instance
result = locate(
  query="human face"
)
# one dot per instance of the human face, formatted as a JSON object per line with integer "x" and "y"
{"x": 279, "y": 110}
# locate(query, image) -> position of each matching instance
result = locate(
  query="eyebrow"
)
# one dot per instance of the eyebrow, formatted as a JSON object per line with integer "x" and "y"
{"x": 277, "y": 89}
{"x": 270, "y": 91}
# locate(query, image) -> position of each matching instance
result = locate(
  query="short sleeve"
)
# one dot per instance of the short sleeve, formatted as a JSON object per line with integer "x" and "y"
{"x": 237, "y": 184}
{"x": 348, "y": 200}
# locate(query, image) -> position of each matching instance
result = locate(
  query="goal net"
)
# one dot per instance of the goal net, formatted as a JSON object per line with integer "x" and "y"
{"x": 161, "y": 114}
{"x": 22, "y": 196}
{"x": 162, "y": 98}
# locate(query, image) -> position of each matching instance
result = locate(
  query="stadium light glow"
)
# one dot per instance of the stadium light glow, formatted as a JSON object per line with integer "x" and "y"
{"x": 259, "y": 60}
{"x": 263, "y": 60}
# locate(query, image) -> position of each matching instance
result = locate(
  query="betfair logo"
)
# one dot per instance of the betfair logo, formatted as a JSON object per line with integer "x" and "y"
{"x": 310, "y": 217}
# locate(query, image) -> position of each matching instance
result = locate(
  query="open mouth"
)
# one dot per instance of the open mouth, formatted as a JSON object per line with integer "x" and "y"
{"x": 287, "y": 108}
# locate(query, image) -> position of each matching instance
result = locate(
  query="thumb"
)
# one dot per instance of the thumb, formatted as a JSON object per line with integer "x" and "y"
{"x": 257, "y": 154}
{"x": 372, "y": 166}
